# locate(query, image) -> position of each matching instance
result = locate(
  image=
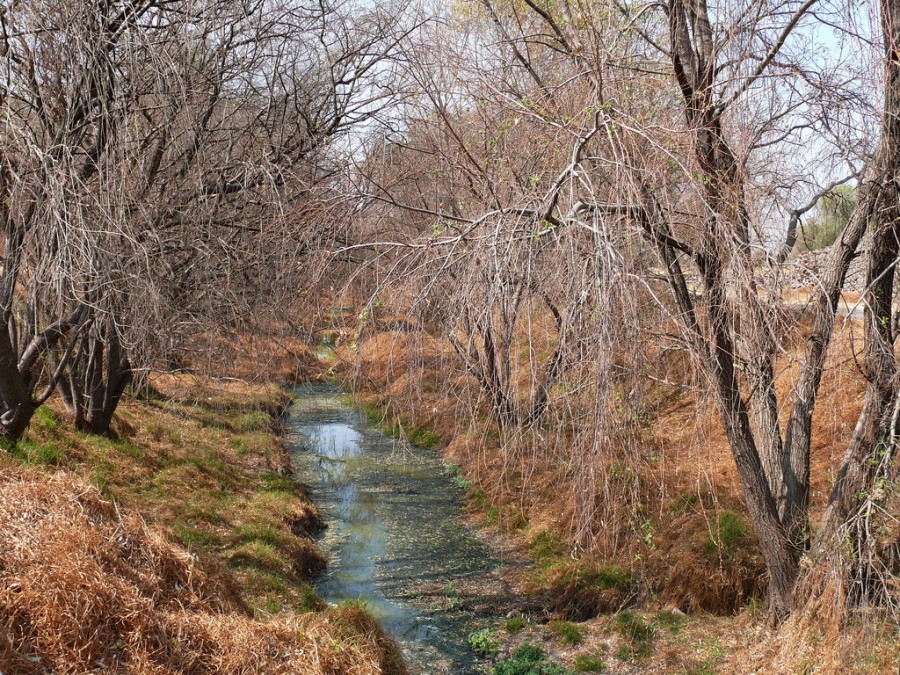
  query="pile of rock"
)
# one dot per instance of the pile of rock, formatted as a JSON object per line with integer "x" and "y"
{"x": 803, "y": 270}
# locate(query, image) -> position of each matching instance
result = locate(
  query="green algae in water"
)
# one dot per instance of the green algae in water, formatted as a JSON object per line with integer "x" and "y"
{"x": 395, "y": 527}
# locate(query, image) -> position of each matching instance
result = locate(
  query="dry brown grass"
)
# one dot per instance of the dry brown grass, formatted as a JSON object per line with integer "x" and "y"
{"x": 277, "y": 354}
{"x": 84, "y": 586}
{"x": 179, "y": 545}
{"x": 822, "y": 638}
{"x": 680, "y": 457}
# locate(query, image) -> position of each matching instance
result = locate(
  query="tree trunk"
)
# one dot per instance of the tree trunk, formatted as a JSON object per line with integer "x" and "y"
{"x": 17, "y": 407}
{"x": 872, "y": 445}
{"x": 96, "y": 379}
{"x": 782, "y": 556}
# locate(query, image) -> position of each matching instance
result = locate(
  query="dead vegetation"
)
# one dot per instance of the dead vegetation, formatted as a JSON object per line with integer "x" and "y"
{"x": 85, "y": 586}
{"x": 275, "y": 354}
{"x": 179, "y": 545}
{"x": 657, "y": 505}
{"x": 686, "y": 542}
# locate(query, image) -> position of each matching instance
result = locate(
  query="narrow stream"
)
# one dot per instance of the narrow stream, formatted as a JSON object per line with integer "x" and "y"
{"x": 396, "y": 538}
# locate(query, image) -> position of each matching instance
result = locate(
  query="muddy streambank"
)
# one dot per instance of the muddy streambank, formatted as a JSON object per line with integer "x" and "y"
{"x": 396, "y": 537}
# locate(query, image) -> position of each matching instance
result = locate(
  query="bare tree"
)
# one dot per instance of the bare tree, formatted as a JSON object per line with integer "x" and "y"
{"x": 162, "y": 161}
{"x": 673, "y": 123}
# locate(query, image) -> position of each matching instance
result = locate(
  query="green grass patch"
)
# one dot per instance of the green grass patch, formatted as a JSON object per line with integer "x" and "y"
{"x": 307, "y": 599}
{"x": 685, "y": 501}
{"x": 276, "y": 482}
{"x": 193, "y": 537}
{"x": 568, "y": 633}
{"x": 589, "y": 663}
{"x": 476, "y": 497}
{"x": 423, "y": 437}
{"x": 452, "y": 470}
{"x": 263, "y": 582}
{"x": 260, "y": 532}
{"x": 505, "y": 518}
{"x": 253, "y": 443}
{"x": 374, "y": 411}
{"x": 273, "y": 506}
{"x": 452, "y": 593}
{"x": 157, "y": 431}
{"x": 100, "y": 481}
{"x": 591, "y": 577}
{"x": 205, "y": 507}
{"x": 32, "y": 452}
{"x": 547, "y": 548}
{"x": 640, "y": 635}
{"x": 671, "y": 621}
{"x": 633, "y": 627}
{"x": 259, "y": 555}
{"x": 462, "y": 482}
{"x": 528, "y": 660}
{"x": 627, "y": 653}
{"x": 483, "y": 642}
{"x": 605, "y": 577}
{"x": 45, "y": 420}
{"x": 125, "y": 447}
{"x": 251, "y": 421}
{"x": 492, "y": 517}
{"x": 515, "y": 624}
{"x": 398, "y": 427}
{"x": 731, "y": 531}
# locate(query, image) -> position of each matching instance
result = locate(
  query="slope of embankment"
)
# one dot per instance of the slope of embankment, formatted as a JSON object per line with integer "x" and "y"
{"x": 668, "y": 576}
{"x": 180, "y": 544}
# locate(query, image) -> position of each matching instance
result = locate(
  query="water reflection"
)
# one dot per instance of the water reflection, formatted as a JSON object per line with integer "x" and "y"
{"x": 334, "y": 440}
{"x": 394, "y": 527}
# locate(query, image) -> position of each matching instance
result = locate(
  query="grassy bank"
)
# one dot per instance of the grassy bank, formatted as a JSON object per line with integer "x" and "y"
{"x": 181, "y": 543}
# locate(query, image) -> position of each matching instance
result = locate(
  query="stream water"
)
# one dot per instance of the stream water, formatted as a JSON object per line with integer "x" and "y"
{"x": 396, "y": 539}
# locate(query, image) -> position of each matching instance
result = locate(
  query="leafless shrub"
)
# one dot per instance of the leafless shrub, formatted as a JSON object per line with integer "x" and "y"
{"x": 166, "y": 168}
{"x": 617, "y": 172}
